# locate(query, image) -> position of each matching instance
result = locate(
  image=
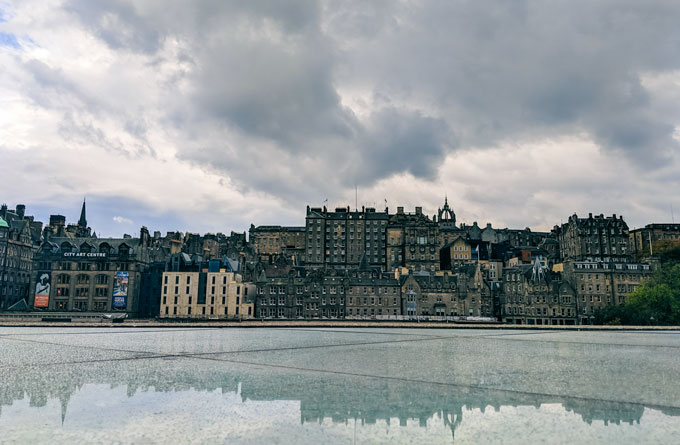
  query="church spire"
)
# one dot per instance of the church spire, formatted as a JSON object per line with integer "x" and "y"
{"x": 82, "y": 222}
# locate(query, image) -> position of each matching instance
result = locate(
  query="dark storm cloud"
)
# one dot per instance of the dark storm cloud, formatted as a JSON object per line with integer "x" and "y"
{"x": 268, "y": 79}
{"x": 402, "y": 142}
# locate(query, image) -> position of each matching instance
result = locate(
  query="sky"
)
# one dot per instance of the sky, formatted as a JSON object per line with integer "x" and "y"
{"x": 209, "y": 116}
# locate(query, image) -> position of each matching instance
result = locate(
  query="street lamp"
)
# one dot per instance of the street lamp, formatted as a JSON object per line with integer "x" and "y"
{"x": 592, "y": 320}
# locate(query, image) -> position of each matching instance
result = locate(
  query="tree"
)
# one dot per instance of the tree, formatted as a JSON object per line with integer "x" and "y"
{"x": 657, "y": 301}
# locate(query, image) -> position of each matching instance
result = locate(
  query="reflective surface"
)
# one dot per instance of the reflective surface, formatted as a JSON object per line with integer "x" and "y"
{"x": 338, "y": 386}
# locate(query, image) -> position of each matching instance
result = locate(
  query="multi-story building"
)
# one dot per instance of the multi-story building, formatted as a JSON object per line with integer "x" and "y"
{"x": 373, "y": 293}
{"x": 90, "y": 274}
{"x": 217, "y": 294}
{"x": 339, "y": 239}
{"x": 269, "y": 241}
{"x": 463, "y": 292}
{"x": 16, "y": 256}
{"x": 596, "y": 238}
{"x": 642, "y": 240}
{"x": 297, "y": 293}
{"x": 534, "y": 295}
{"x": 20, "y": 236}
{"x": 412, "y": 241}
{"x": 454, "y": 253}
{"x": 600, "y": 284}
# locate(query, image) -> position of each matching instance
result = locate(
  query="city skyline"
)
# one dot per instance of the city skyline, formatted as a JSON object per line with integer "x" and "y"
{"x": 208, "y": 117}
{"x": 130, "y": 227}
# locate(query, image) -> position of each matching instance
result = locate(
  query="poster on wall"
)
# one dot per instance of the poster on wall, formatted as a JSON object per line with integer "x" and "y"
{"x": 120, "y": 290}
{"x": 42, "y": 290}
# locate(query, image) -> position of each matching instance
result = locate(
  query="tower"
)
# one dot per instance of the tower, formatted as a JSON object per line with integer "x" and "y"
{"x": 445, "y": 215}
{"x": 82, "y": 222}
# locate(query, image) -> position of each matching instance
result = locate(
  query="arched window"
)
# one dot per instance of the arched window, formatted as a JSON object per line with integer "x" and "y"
{"x": 63, "y": 279}
{"x": 85, "y": 248}
{"x": 105, "y": 248}
{"x": 82, "y": 279}
{"x": 66, "y": 247}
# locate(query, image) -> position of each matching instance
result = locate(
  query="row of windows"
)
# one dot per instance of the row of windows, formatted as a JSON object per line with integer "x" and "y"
{"x": 204, "y": 311}
{"x": 191, "y": 299}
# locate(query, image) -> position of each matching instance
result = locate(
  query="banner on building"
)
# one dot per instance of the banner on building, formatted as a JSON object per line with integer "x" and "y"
{"x": 42, "y": 290}
{"x": 120, "y": 290}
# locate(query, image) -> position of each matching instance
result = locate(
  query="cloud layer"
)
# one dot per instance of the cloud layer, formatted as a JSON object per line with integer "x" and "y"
{"x": 210, "y": 115}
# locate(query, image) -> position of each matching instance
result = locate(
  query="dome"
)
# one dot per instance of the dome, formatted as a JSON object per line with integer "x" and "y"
{"x": 3, "y": 223}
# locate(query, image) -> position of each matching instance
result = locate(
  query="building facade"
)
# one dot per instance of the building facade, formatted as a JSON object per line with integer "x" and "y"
{"x": 16, "y": 262}
{"x": 206, "y": 295}
{"x": 534, "y": 295}
{"x": 642, "y": 240}
{"x": 413, "y": 241}
{"x": 596, "y": 238}
{"x": 339, "y": 239}
{"x": 600, "y": 284}
{"x": 269, "y": 241}
{"x": 89, "y": 274}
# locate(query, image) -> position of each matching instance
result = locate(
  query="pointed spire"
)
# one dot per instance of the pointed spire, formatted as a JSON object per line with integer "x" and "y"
{"x": 82, "y": 222}
{"x": 64, "y": 407}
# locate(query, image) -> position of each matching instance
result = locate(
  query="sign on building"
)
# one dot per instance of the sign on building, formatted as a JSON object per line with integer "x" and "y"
{"x": 120, "y": 290}
{"x": 42, "y": 290}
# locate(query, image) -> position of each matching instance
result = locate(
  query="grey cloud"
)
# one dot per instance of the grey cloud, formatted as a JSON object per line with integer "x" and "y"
{"x": 118, "y": 23}
{"x": 265, "y": 81}
{"x": 402, "y": 141}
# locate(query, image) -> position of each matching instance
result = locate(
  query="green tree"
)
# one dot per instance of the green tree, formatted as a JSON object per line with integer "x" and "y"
{"x": 657, "y": 301}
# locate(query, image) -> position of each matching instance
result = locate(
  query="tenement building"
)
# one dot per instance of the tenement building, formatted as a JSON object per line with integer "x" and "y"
{"x": 338, "y": 239}
{"x": 462, "y": 292}
{"x": 534, "y": 295}
{"x": 296, "y": 293}
{"x": 270, "y": 241}
{"x": 90, "y": 274}
{"x": 16, "y": 256}
{"x": 373, "y": 294}
{"x": 600, "y": 284}
{"x": 412, "y": 241}
{"x": 596, "y": 238}
{"x": 642, "y": 240}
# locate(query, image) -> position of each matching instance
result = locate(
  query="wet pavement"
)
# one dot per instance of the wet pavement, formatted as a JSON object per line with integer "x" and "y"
{"x": 338, "y": 385}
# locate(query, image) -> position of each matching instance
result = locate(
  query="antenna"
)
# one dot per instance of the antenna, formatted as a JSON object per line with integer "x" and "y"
{"x": 672, "y": 216}
{"x": 356, "y": 198}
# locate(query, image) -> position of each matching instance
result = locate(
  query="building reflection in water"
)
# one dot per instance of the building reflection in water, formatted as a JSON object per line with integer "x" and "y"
{"x": 321, "y": 395}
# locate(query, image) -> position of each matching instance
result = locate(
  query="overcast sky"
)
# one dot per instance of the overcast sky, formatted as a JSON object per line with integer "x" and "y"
{"x": 211, "y": 115}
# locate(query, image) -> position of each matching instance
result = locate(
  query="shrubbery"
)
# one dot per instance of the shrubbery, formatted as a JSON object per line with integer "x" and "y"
{"x": 656, "y": 301}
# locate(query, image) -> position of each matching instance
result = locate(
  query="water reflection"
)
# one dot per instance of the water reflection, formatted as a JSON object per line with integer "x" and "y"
{"x": 321, "y": 396}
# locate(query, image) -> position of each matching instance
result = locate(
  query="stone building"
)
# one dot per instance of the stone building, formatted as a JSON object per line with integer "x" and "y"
{"x": 600, "y": 284}
{"x": 412, "y": 241}
{"x": 57, "y": 227}
{"x": 16, "y": 257}
{"x": 280, "y": 293}
{"x": 20, "y": 236}
{"x": 596, "y": 238}
{"x": 338, "y": 239}
{"x": 462, "y": 292}
{"x": 297, "y": 293}
{"x": 372, "y": 293}
{"x": 454, "y": 253}
{"x": 534, "y": 295}
{"x": 90, "y": 274}
{"x": 642, "y": 240}
{"x": 269, "y": 241}
{"x": 218, "y": 293}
